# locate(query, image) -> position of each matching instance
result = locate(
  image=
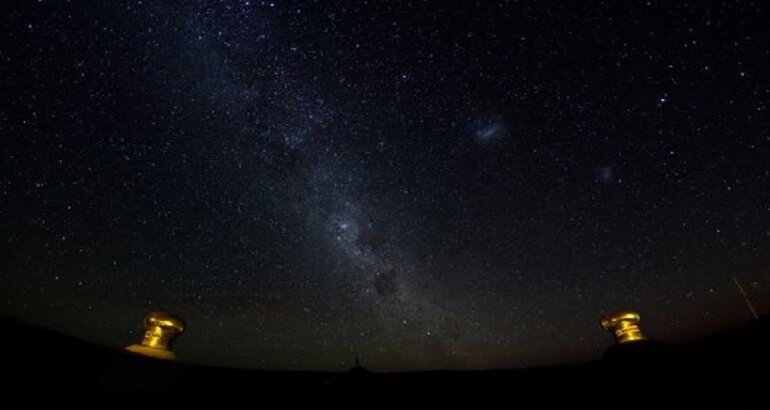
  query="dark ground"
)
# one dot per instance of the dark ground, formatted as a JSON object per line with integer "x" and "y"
{"x": 727, "y": 370}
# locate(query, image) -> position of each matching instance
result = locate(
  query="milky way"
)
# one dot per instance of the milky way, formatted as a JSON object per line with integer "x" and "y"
{"x": 422, "y": 185}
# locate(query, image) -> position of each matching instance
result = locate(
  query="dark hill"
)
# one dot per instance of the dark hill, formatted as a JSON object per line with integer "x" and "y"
{"x": 729, "y": 368}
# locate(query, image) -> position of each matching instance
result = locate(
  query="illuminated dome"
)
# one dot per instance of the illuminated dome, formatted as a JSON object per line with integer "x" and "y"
{"x": 623, "y": 325}
{"x": 161, "y": 329}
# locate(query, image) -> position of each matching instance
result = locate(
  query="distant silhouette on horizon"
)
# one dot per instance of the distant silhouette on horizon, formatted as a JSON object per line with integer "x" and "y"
{"x": 358, "y": 369}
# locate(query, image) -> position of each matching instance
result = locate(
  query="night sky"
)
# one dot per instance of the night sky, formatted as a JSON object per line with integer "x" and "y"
{"x": 424, "y": 185}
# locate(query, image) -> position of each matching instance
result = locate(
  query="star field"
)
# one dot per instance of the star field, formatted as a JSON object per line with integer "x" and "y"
{"x": 420, "y": 184}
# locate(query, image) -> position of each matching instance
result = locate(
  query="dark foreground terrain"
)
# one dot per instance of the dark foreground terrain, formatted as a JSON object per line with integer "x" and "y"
{"x": 729, "y": 370}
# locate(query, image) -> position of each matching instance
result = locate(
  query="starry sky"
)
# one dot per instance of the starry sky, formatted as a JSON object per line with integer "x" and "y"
{"x": 422, "y": 184}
